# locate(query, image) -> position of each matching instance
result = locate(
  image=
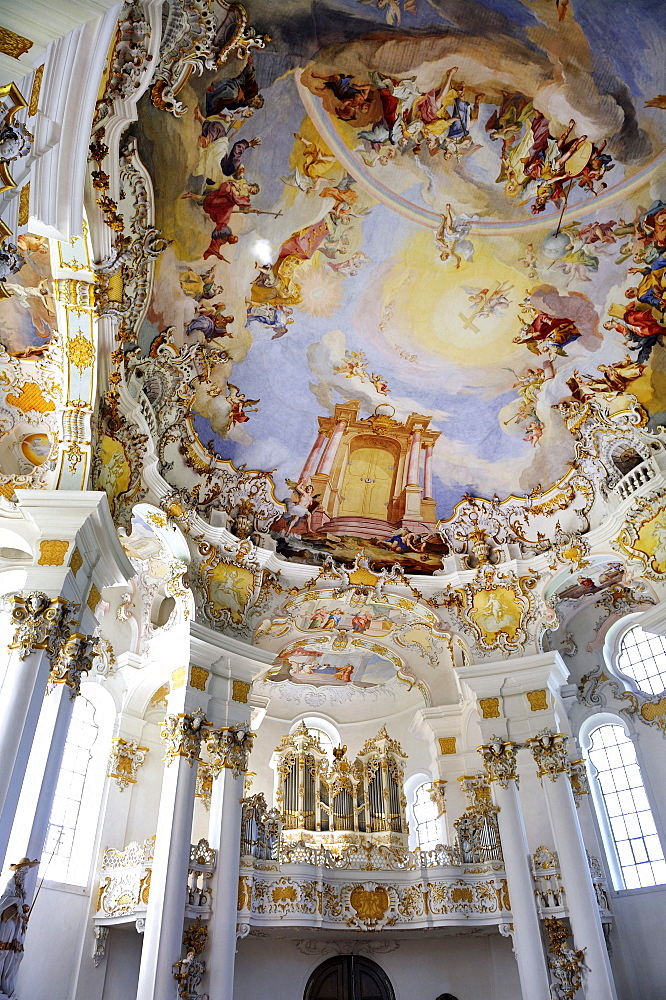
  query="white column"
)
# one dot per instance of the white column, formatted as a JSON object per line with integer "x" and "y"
{"x": 413, "y": 462}
{"x": 500, "y": 760}
{"x": 18, "y": 776}
{"x": 43, "y": 615}
{"x": 225, "y": 822}
{"x": 182, "y": 734}
{"x": 40, "y": 821}
{"x": 326, "y": 463}
{"x": 39, "y": 623}
{"x": 74, "y": 659}
{"x": 25, "y": 682}
{"x": 549, "y": 750}
{"x": 312, "y": 458}
{"x": 427, "y": 473}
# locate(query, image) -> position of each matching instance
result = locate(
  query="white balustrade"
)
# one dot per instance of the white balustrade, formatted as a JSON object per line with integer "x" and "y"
{"x": 125, "y": 876}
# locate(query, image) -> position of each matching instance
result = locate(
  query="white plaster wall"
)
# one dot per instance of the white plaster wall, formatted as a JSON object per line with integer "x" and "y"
{"x": 144, "y": 796}
{"x": 53, "y": 943}
{"x": 639, "y": 956}
{"x": 122, "y": 963}
{"x": 472, "y": 968}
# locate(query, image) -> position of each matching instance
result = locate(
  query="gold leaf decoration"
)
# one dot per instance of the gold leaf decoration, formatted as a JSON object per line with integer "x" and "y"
{"x": 52, "y": 552}
{"x": 80, "y": 353}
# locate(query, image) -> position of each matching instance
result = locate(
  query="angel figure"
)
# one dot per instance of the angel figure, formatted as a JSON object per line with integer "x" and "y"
{"x": 26, "y": 292}
{"x": 489, "y": 302}
{"x": 296, "y": 178}
{"x": 313, "y": 157}
{"x": 534, "y": 432}
{"x": 451, "y": 238}
{"x": 301, "y": 504}
{"x": 380, "y": 383}
{"x": 239, "y": 405}
{"x": 308, "y": 177}
{"x": 529, "y": 386}
{"x": 354, "y": 363}
{"x": 495, "y": 616}
{"x": 351, "y": 267}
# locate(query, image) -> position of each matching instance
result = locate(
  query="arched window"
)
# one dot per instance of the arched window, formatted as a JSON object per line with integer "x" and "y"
{"x": 71, "y": 836}
{"x": 426, "y": 815}
{"x": 82, "y": 736}
{"x": 323, "y": 731}
{"x": 642, "y": 658}
{"x": 632, "y": 843}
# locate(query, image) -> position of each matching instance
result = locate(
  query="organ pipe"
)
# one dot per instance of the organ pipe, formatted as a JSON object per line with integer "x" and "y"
{"x": 320, "y": 800}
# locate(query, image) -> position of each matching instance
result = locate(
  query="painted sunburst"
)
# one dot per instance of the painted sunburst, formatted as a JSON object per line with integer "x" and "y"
{"x": 321, "y": 290}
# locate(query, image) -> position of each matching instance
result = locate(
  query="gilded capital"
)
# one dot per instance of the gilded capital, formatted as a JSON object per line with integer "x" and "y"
{"x": 437, "y": 795}
{"x": 125, "y": 759}
{"x": 499, "y": 756}
{"x": 578, "y": 779}
{"x": 182, "y": 735}
{"x": 230, "y": 747}
{"x": 74, "y": 657}
{"x": 550, "y": 753}
{"x": 40, "y": 622}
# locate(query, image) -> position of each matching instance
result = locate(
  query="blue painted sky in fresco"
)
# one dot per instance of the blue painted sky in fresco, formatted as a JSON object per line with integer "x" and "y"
{"x": 276, "y": 371}
{"x": 262, "y": 376}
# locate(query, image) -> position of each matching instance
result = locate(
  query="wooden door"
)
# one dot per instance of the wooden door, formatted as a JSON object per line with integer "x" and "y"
{"x": 368, "y": 482}
{"x": 349, "y": 977}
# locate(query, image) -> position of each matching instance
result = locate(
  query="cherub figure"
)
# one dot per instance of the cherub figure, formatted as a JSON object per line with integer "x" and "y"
{"x": 380, "y": 383}
{"x": 534, "y": 432}
{"x": 529, "y": 261}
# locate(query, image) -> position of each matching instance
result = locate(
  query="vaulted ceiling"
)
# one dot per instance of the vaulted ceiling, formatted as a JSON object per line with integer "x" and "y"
{"x": 386, "y": 279}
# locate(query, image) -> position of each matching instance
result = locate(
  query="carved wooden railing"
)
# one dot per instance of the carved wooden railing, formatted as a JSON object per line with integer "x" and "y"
{"x": 124, "y": 886}
{"x": 361, "y": 884}
{"x": 549, "y": 890}
{"x": 368, "y": 856}
{"x": 639, "y": 476}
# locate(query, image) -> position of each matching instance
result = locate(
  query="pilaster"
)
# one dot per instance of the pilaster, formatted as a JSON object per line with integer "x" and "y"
{"x": 518, "y": 696}
{"x": 229, "y": 749}
{"x": 442, "y": 728}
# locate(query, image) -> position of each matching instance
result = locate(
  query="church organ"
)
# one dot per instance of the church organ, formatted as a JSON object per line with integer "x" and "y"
{"x": 344, "y": 801}
{"x": 477, "y": 830}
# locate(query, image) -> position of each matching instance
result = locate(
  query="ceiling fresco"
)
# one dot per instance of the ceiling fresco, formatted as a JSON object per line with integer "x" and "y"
{"x": 380, "y": 289}
{"x": 363, "y": 333}
{"x": 405, "y": 240}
